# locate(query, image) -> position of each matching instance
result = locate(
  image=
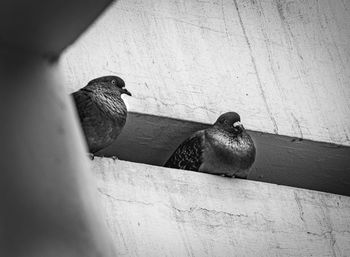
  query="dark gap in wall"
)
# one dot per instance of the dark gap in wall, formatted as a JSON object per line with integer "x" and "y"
{"x": 280, "y": 159}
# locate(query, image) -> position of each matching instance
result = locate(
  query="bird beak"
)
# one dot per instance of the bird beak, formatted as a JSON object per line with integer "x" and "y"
{"x": 238, "y": 125}
{"x": 125, "y": 91}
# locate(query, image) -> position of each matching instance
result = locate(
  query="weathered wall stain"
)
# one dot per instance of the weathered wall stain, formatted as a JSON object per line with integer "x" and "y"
{"x": 283, "y": 65}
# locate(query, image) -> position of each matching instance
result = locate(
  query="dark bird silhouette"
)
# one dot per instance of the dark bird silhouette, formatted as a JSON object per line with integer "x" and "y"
{"x": 102, "y": 111}
{"x": 224, "y": 149}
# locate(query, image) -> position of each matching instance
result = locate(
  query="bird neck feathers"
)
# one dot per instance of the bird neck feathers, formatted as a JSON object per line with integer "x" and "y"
{"x": 228, "y": 134}
{"x": 112, "y": 105}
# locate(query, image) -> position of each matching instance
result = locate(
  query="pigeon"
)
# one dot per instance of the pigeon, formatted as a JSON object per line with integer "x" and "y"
{"x": 102, "y": 111}
{"x": 223, "y": 149}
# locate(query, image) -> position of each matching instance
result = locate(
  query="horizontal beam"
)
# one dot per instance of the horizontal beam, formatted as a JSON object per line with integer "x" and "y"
{"x": 154, "y": 211}
{"x": 280, "y": 159}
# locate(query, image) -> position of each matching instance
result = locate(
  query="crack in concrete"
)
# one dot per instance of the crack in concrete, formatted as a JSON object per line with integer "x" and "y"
{"x": 330, "y": 231}
{"x": 123, "y": 200}
{"x": 298, "y": 125}
{"x": 205, "y": 210}
{"x": 190, "y": 210}
{"x": 224, "y": 20}
{"x": 300, "y": 207}
{"x": 328, "y": 234}
{"x": 262, "y": 92}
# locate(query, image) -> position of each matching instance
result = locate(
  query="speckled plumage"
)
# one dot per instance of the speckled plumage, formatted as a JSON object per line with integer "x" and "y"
{"x": 102, "y": 111}
{"x": 223, "y": 149}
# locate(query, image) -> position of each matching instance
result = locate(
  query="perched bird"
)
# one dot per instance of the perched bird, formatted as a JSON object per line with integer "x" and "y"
{"x": 223, "y": 149}
{"x": 102, "y": 111}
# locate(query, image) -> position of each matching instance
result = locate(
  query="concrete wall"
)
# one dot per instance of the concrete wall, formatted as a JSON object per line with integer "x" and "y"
{"x": 283, "y": 65}
{"x": 154, "y": 211}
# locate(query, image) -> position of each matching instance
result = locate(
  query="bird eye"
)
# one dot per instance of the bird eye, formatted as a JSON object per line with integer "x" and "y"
{"x": 113, "y": 81}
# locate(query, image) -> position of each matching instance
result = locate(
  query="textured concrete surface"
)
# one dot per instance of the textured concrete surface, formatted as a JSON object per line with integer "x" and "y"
{"x": 283, "y": 65}
{"x": 154, "y": 211}
{"x": 280, "y": 159}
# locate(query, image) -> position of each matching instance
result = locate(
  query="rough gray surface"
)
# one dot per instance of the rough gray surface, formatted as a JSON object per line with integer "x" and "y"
{"x": 154, "y": 211}
{"x": 284, "y": 66}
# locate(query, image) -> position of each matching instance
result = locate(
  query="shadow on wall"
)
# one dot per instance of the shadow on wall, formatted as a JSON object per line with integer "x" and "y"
{"x": 282, "y": 160}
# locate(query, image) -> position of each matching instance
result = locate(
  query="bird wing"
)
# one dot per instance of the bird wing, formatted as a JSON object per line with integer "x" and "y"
{"x": 188, "y": 156}
{"x": 88, "y": 111}
{"x": 84, "y": 104}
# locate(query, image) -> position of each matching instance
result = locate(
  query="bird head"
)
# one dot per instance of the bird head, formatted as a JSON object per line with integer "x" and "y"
{"x": 112, "y": 83}
{"x": 230, "y": 122}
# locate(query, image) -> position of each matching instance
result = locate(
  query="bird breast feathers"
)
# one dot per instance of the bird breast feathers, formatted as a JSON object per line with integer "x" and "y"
{"x": 239, "y": 145}
{"x": 112, "y": 105}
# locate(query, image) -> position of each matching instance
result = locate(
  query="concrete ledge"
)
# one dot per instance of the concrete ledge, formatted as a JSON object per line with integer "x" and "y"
{"x": 154, "y": 211}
